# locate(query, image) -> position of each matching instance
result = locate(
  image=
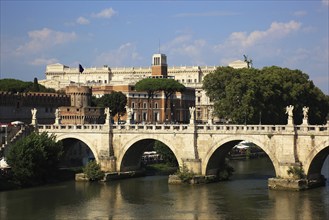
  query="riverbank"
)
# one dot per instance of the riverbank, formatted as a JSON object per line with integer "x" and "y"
{"x": 7, "y": 181}
{"x": 296, "y": 184}
{"x": 159, "y": 169}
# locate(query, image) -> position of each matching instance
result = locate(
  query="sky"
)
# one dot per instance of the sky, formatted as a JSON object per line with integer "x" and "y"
{"x": 292, "y": 34}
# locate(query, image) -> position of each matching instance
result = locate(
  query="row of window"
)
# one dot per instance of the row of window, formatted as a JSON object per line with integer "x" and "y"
{"x": 97, "y": 81}
{"x": 187, "y": 81}
{"x": 145, "y": 96}
{"x": 133, "y": 105}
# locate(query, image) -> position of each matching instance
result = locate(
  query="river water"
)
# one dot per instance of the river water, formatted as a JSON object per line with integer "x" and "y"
{"x": 244, "y": 197}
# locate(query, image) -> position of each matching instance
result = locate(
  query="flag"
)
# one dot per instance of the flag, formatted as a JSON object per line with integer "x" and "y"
{"x": 81, "y": 69}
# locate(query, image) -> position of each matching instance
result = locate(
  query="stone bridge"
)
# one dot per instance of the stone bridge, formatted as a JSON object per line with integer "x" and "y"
{"x": 202, "y": 148}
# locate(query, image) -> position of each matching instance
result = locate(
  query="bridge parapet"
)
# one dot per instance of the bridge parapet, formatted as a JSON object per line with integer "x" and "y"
{"x": 69, "y": 127}
{"x": 265, "y": 129}
{"x": 242, "y": 128}
{"x": 318, "y": 129}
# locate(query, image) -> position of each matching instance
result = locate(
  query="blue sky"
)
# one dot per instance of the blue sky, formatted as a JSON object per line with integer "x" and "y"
{"x": 292, "y": 34}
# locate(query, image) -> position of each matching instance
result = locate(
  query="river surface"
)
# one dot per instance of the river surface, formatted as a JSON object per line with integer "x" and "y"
{"x": 244, "y": 197}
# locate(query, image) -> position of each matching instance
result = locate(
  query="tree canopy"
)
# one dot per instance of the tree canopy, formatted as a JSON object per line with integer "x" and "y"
{"x": 148, "y": 85}
{"x": 153, "y": 85}
{"x": 34, "y": 158}
{"x": 14, "y": 85}
{"x": 116, "y": 101}
{"x": 261, "y": 95}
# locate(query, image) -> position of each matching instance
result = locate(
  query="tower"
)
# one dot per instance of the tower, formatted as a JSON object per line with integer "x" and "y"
{"x": 80, "y": 95}
{"x": 159, "y": 65}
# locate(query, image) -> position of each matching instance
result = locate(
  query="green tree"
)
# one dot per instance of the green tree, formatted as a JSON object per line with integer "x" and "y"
{"x": 14, "y": 85}
{"x": 116, "y": 101}
{"x": 169, "y": 87}
{"x": 253, "y": 96}
{"x": 35, "y": 86}
{"x": 165, "y": 152}
{"x": 151, "y": 86}
{"x": 34, "y": 159}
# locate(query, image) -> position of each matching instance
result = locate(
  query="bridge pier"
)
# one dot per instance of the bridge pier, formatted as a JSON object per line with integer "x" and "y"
{"x": 108, "y": 164}
{"x": 193, "y": 165}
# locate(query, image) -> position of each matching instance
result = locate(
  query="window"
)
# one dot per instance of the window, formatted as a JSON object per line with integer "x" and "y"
{"x": 156, "y": 105}
{"x": 133, "y": 104}
{"x": 199, "y": 99}
{"x": 144, "y": 105}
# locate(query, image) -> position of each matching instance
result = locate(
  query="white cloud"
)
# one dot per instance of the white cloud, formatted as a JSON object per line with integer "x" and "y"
{"x": 43, "y": 61}
{"x": 43, "y": 39}
{"x": 244, "y": 40}
{"x": 82, "y": 21}
{"x": 106, "y": 13}
{"x": 126, "y": 54}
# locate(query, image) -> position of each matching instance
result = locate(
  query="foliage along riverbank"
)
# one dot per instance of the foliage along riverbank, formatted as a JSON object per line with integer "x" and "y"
{"x": 7, "y": 182}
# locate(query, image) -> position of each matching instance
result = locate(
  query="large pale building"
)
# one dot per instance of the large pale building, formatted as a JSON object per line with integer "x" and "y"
{"x": 58, "y": 76}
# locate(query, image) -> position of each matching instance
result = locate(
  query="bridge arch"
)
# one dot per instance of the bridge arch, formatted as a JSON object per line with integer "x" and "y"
{"x": 140, "y": 138}
{"x": 233, "y": 140}
{"x": 315, "y": 160}
{"x": 81, "y": 138}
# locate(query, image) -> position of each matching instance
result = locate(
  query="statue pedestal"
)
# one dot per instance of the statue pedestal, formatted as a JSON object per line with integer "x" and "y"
{"x": 290, "y": 122}
{"x": 305, "y": 122}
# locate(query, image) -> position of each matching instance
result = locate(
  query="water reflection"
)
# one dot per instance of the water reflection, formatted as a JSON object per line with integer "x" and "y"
{"x": 244, "y": 197}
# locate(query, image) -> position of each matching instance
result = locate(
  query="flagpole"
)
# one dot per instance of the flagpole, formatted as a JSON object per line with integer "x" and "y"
{"x": 80, "y": 71}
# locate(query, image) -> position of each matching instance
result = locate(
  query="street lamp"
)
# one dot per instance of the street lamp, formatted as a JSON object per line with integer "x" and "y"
{"x": 6, "y": 132}
{"x": 2, "y": 148}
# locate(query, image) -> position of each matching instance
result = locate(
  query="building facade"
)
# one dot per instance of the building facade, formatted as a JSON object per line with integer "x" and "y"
{"x": 17, "y": 106}
{"x": 79, "y": 111}
{"x": 59, "y": 76}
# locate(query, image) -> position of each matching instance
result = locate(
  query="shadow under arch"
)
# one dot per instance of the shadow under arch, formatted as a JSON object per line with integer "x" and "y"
{"x": 215, "y": 157}
{"x": 130, "y": 158}
{"x": 314, "y": 170}
{"x": 69, "y": 140}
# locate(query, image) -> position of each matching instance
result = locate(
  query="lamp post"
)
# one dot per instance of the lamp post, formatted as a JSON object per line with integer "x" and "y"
{"x": 6, "y": 133}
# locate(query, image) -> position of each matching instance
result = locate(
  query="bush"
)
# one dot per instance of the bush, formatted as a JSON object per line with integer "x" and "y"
{"x": 34, "y": 159}
{"x": 296, "y": 172}
{"x": 185, "y": 174}
{"x": 93, "y": 171}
